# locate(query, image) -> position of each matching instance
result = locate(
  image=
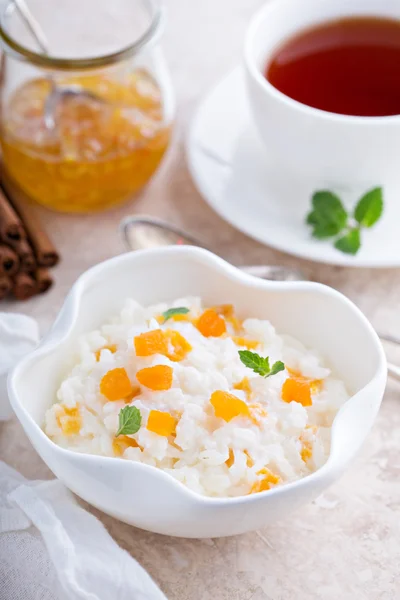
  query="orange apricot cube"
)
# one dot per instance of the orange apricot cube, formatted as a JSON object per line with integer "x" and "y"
{"x": 227, "y": 406}
{"x": 249, "y": 344}
{"x": 112, "y": 348}
{"x": 122, "y": 442}
{"x": 249, "y": 460}
{"x": 210, "y": 324}
{"x": 297, "y": 390}
{"x": 244, "y": 386}
{"x": 161, "y": 423}
{"x": 269, "y": 478}
{"x": 70, "y": 420}
{"x": 306, "y": 451}
{"x": 151, "y": 342}
{"x": 181, "y": 346}
{"x": 231, "y": 458}
{"x": 136, "y": 391}
{"x": 228, "y": 311}
{"x": 315, "y": 384}
{"x": 156, "y": 378}
{"x": 116, "y": 385}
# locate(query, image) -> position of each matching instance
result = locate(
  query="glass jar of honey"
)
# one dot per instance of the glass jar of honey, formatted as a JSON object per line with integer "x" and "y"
{"x": 86, "y": 112}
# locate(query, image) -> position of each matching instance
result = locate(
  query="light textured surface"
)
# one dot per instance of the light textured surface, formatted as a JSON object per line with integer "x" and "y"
{"x": 344, "y": 546}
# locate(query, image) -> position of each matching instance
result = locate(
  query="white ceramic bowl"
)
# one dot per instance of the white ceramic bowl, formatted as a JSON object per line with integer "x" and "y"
{"x": 325, "y": 149}
{"x": 145, "y": 496}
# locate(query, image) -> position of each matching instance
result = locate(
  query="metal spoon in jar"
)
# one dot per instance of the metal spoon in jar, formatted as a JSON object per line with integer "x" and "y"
{"x": 57, "y": 92}
{"x": 146, "y": 232}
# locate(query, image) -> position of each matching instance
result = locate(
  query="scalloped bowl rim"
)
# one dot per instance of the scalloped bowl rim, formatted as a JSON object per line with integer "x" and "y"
{"x": 61, "y": 331}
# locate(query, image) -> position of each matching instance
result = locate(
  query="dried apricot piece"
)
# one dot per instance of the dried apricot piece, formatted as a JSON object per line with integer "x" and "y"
{"x": 297, "y": 390}
{"x": 181, "y": 346}
{"x": 161, "y": 423}
{"x": 134, "y": 393}
{"x": 269, "y": 478}
{"x": 69, "y": 420}
{"x": 258, "y": 412}
{"x": 315, "y": 384}
{"x": 306, "y": 451}
{"x": 244, "y": 386}
{"x": 294, "y": 373}
{"x": 249, "y": 344}
{"x": 231, "y": 458}
{"x": 313, "y": 428}
{"x": 122, "y": 442}
{"x": 228, "y": 311}
{"x": 210, "y": 324}
{"x": 151, "y": 342}
{"x": 227, "y": 406}
{"x": 156, "y": 378}
{"x": 249, "y": 461}
{"x": 306, "y": 438}
{"x": 177, "y": 317}
{"x": 112, "y": 348}
{"x": 115, "y": 384}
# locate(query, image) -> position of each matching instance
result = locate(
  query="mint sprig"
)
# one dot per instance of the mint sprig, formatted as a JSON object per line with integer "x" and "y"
{"x": 370, "y": 208}
{"x": 329, "y": 218}
{"x": 130, "y": 421}
{"x": 350, "y": 243}
{"x": 260, "y": 365}
{"x": 180, "y": 310}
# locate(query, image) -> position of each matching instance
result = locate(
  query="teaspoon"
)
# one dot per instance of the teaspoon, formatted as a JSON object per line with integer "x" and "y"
{"x": 146, "y": 232}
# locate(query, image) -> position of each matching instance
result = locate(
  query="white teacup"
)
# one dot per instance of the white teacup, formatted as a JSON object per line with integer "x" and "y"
{"x": 324, "y": 148}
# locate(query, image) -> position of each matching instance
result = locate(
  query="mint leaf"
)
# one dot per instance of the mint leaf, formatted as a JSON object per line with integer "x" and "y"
{"x": 328, "y": 216}
{"x": 350, "y": 243}
{"x": 254, "y": 361}
{"x": 130, "y": 420}
{"x": 369, "y": 209}
{"x": 181, "y": 310}
{"x": 260, "y": 365}
{"x": 277, "y": 367}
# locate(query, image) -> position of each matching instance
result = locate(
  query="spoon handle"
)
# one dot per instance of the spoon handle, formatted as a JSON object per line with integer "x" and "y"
{"x": 392, "y": 339}
{"x": 141, "y": 231}
{"x": 394, "y": 371}
{"x": 274, "y": 272}
{"x": 33, "y": 25}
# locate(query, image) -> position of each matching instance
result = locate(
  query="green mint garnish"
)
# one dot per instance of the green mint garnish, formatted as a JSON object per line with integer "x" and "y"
{"x": 130, "y": 420}
{"x": 329, "y": 218}
{"x": 369, "y": 209}
{"x": 350, "y": 243}
{"x": 260, "y": 365}
{"x": 181, "y": 310}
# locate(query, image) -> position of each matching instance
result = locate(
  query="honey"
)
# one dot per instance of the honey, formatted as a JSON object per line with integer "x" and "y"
{"x": 104, "y": 146}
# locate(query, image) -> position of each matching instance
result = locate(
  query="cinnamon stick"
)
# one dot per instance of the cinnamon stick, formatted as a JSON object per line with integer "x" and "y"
{"x": 9, "y": 261}
{"x": 5, "y": 286}
{"x": 43, "y": 279}
{"x": 25, "y": 254}
{"x": 45, "y": 252}
{"x": 11, "y": 228}
{"x": 24, "y": 286}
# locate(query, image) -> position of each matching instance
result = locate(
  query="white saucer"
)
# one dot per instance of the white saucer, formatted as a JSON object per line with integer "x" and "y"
{"x": 230, "y": 166}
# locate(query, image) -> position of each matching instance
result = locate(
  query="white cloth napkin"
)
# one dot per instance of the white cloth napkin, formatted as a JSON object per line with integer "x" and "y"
{"x": 19, "y": 334}
{"x": 50, "y": 547}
